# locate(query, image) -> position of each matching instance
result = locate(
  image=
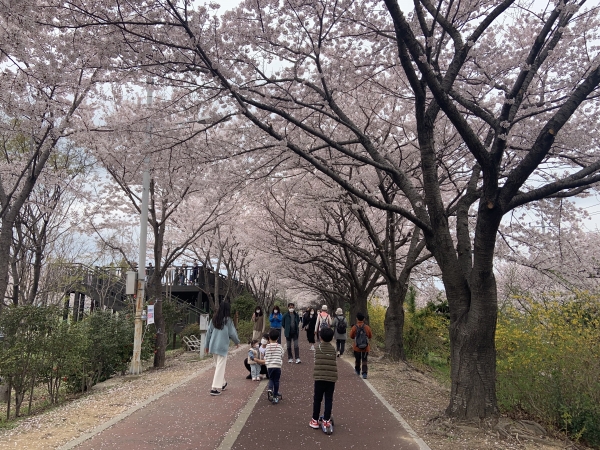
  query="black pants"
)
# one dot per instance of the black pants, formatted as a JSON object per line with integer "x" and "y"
{"x": 358, "y": 357}
{"x": 288, "y": 341}
{"x": 340, "y": 345}
{"x": 263, "y": 368}
{"x": 323, "y": 388}
{"x": 310, "y": 335}
{"x": 274, "y": 376}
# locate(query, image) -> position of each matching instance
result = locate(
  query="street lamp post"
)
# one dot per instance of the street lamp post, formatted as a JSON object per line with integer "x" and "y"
{"x": 136, "y": 364}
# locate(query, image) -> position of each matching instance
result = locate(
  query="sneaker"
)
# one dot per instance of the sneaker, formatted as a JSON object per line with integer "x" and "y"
{"x": 314, "y": 424}
{"x": 298, "y": 361}
{"x": 290, "y": 361}
{"x": 364, "y": 376}
{"x": 326, "y": 423}
{"x": 357, "y": 372}
{"x": 312, "y": 347}
{"x": 337, "y": 354}
{"x": 224, "y": 386}
{"x": 214, "y": 392}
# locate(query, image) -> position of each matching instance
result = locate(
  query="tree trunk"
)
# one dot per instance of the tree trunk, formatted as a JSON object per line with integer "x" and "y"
{"x": 473, "y": 363}
{"x": 359, "y": 306}
{"x": 5, "y": 241}
{"x": 394, "y": 321}
{"x": 473, "y": 315}
{"x": 37, "y": 270}
{"x": 155, "y": 293}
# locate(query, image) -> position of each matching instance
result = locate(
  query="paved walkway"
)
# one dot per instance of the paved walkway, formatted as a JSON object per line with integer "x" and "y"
{"x": 187, "y": 417}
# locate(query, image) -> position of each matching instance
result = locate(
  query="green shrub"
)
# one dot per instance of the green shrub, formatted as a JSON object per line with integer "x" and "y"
{"x": 548, "y": 364}
{"x": 426, "y": 337}
{"x": 376, "y": 322}
{"x": 244, "y": 305}
{"x": 23, "y": 351}
{"x": 244, "y": 330}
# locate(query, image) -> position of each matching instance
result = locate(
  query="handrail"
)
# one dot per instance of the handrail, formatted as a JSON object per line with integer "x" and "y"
{"x": 93, "y": 277}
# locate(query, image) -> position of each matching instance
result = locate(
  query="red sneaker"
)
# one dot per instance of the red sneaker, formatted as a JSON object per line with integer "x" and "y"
{"x": 314, "y": 424}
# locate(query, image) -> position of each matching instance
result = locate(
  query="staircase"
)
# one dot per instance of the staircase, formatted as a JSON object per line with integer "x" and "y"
{"x": 106, "y": 287}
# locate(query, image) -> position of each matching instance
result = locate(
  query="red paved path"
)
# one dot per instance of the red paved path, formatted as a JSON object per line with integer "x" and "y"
{"x": 189, "y": 418}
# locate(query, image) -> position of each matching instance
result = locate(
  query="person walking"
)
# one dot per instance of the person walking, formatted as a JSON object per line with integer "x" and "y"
{"x": 325, "y": 375}
{"x": 339, "y": 326}
{"x": 309, "y": 322}
{"x": 258, "y": 320}
{"x": 323, "y": 321}
{"x": 274, "y": 361}
{"x": 361, "y": 333}
{"x": 275, "y": 321}
{"x": 291, "y": 327}
{"x": 220, "y": 330}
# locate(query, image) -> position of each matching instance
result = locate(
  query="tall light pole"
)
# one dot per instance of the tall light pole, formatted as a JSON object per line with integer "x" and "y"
{"x": 136, "y": 363}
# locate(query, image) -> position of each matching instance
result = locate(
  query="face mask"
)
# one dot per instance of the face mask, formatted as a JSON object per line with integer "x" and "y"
{"x": 263, "y": 341}
{"x": 258, "y": 311}
{"x": 312, "y": 313}
{"x": 291, "y": 310}
{"x": 276, "y": 311}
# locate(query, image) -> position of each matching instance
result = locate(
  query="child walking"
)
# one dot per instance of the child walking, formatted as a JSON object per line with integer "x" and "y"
{"x": 253, "y": 359}
{"x": 325, "y": 375}
{"x": 274, "y": 361}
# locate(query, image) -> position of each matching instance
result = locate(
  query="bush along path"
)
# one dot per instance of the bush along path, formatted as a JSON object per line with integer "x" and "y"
{"x": 187, "y": 417}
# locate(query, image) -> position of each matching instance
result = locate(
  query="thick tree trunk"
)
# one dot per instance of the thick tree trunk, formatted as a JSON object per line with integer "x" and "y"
{"x": 473, "y": 362}
{"x": 474, "y": 312}
{"x": 394, "y": 321}
{"x": 360, "y": 305}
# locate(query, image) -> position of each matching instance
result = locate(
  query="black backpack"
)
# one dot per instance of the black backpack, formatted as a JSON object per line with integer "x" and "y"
{"x": 361, "y": 340}
{"x": 341, "y": 326}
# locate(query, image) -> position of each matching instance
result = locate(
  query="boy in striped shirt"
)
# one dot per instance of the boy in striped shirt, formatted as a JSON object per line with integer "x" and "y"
{"x": 274, "y": 360}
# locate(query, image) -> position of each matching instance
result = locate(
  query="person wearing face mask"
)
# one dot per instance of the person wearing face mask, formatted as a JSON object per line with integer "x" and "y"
{"x": 275, "y": 320}
{"x": 261, "y": 358}
{"x": 258, "y": 320}
{"x": 309, "y": 321}
{"x": 291, "y": 327}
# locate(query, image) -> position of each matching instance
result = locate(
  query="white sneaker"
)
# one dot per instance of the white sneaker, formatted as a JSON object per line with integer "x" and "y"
{"x": 312, "y": 347}
{"x": 290, "y": 360}
{"x": 298, "y": 361}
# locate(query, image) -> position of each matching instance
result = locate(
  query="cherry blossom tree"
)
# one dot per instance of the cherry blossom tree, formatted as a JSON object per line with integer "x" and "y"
{"x": 471, "y": 109}
{"x": 186, "y": 196}
{"x": 46, "y": 78}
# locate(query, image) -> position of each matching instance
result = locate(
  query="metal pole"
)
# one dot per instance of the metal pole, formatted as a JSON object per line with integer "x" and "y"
{"x": 136, "y": 364}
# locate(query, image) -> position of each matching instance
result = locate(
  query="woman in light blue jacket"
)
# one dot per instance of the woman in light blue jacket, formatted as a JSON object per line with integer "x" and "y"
{"x": 220, "y": 330}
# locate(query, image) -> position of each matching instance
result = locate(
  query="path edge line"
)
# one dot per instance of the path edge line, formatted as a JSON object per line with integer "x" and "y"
{"x": 413, "y": 434}
{"x": 234, "y": 432}
{"x": 100, "y": 428}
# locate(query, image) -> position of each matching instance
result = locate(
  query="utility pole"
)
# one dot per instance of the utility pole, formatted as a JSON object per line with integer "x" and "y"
{"x": 136, "y": 364}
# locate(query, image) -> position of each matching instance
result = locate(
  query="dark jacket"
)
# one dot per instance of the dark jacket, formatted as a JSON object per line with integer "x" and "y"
{"x": 286, "y": 323}
{"x": 367, "y": 332}
{"x": 309, "y": 323}
{"x": 325, "y": 363}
